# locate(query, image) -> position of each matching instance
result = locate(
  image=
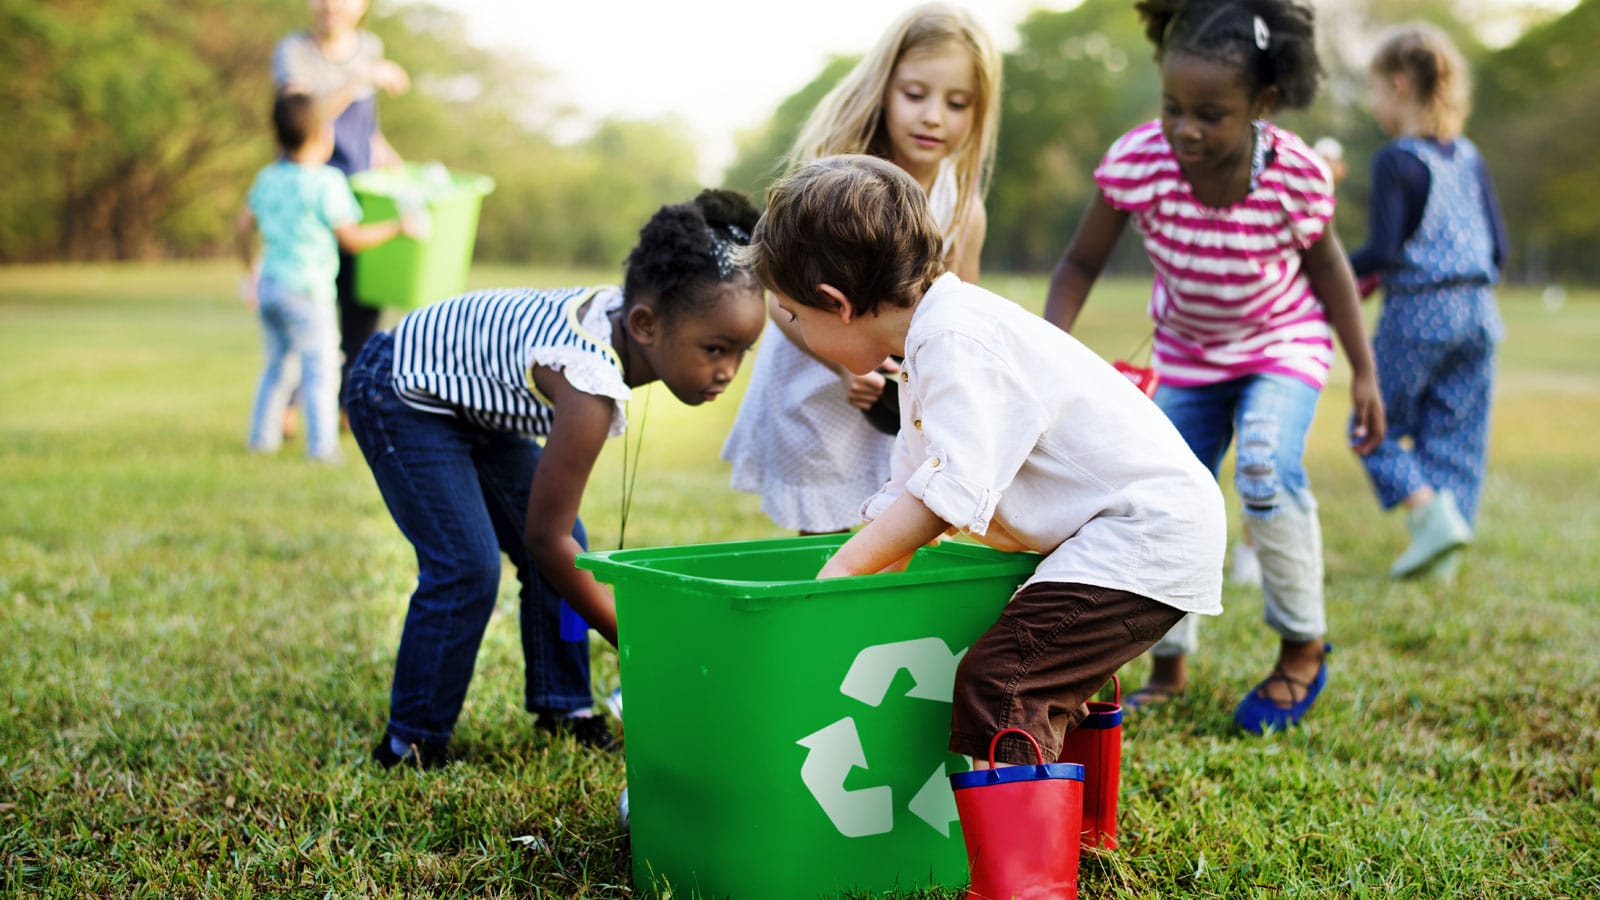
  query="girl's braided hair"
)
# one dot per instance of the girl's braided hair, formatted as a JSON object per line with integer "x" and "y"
{"x": 687, "y": 245}
{"x": 1271, "y": 42}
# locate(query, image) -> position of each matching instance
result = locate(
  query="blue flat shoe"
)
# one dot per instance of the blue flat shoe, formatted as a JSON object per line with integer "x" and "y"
{"x": 1256, "y": 713}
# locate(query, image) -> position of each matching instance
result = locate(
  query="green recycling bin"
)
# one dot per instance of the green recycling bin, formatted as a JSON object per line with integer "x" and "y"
{"x": 786, "y": 736}
{"x": 408, "y": 273}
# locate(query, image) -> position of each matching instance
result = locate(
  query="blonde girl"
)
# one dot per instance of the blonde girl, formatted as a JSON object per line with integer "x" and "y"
{"x": 1436, "y": 241}
{"x": 926, "y": 97}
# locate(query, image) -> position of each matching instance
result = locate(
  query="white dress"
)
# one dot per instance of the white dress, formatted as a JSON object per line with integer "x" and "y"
{"x": 798, "y": 442}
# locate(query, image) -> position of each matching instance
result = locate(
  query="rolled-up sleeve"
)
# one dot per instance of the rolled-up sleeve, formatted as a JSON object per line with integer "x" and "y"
{"x": 977, "y": 420}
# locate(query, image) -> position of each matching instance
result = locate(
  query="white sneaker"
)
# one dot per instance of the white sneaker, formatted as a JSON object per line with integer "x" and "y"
{"x": 1246, "y": 566}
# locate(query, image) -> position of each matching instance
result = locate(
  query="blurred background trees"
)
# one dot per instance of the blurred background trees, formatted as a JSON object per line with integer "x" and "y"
{"x": 134, "y": 128}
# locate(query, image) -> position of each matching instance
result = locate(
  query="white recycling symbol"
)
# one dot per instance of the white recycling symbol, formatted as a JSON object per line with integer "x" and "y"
{"x": 836, "y": 748}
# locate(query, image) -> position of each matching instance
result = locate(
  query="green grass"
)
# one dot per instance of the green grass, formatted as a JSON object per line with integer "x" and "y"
{"x": 197, "y": 646}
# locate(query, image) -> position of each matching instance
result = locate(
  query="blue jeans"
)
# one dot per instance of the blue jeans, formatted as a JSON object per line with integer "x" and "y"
{"x": 460, "y": 494}
{"x": 1270, "y": 415}
{"x": 297, "y": 328}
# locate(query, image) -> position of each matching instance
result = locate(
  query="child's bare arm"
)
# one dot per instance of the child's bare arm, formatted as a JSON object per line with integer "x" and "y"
{"x": 969, "y": 244}
{"x": 1335, "y": 286}
{"x": 888, "y": 541}
{"x": 1082, "y": 261}
{"x": 355, "y": 237}
{"x": 244, "y": 235}
{"x": 575, "y": 440}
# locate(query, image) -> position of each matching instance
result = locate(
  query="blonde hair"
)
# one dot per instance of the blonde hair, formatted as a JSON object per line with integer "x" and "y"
{"x": 850, "y": 119}
{"x": 1439, "y": 78}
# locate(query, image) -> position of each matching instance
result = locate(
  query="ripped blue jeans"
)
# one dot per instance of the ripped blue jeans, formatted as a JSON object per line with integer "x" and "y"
{"x": 1270, "y": 416}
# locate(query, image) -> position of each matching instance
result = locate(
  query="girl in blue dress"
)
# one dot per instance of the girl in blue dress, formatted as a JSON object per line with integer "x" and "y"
{"x": 1436, "y": 242}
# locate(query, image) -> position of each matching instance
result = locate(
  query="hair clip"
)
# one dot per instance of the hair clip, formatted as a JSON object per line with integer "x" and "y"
{"x": 1263, "y": 35}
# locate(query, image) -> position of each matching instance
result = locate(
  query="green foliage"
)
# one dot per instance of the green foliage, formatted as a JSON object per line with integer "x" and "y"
{"x": 763, "y": 152}
{"x": 198, "y": 644}
{"x": 1535, "y": 122}
{"x": 1077, "y": 80}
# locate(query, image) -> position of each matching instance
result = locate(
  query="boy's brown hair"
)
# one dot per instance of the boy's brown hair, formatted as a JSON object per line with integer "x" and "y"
{"x": 857, "y": 223}
{"x": 295, "y": 119}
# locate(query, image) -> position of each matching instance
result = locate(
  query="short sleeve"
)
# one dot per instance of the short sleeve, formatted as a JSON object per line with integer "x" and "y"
{"x": 339, "y": 206}
{"x": 1134, "y": 171}
{"x": 1300, "y": 180}
{"x": 290, "y": 61}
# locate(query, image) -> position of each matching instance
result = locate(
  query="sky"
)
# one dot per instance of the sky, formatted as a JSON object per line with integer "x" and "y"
{"x": 723, "y": 66}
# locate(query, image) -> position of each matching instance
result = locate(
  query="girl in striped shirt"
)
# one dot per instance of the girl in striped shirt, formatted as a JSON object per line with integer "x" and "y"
{"x": 1249, "y": 277}
{"x": 447, "y": 409}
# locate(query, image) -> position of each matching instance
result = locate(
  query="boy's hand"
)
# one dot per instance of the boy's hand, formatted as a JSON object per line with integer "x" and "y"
{"x": 1366, "y": 414}
{"x": 865, "y": 389}
{"x": 416, "y": 223}
{"x": 247, "y": 289}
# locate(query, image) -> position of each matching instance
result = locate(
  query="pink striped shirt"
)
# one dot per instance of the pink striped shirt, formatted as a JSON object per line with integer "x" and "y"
{"x": 1231, "y": 297}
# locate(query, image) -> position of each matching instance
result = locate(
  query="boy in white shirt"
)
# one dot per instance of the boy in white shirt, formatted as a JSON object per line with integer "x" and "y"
{"x": 1011, "y": 431}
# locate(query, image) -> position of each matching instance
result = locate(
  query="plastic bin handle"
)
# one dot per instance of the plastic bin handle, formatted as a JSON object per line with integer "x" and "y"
{"x": 995, "y": 741}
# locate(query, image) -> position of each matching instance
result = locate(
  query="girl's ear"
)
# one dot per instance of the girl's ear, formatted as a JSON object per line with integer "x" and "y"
{"x": 643, "y": 325}
{"x": 844, "y": 311}
{"x": 1265, "y": 103}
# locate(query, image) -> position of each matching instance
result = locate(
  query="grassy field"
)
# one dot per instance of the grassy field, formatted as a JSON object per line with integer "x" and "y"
{"x": 197, "y": 645}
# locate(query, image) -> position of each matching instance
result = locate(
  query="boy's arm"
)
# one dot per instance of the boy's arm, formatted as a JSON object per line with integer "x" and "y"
{"x": 1335, "y": 286}
{"x": 355, "y": 237}
{"x": 888, "y": 541}
{"x": 1082, "y": 261}
{"x": 244, "y": 234}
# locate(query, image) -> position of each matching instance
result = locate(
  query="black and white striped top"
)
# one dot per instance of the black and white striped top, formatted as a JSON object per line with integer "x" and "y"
{"x": 472, "y": 356}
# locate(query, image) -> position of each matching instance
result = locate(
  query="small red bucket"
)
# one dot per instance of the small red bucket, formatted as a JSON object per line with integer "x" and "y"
{"x": 1096, "y": 744}
{"x": 1145, "y": 378}
{"x": 1021, "y": 827}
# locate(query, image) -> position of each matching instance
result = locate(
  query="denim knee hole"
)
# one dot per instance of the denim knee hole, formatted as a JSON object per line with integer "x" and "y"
{"x": 1258, "y": 472}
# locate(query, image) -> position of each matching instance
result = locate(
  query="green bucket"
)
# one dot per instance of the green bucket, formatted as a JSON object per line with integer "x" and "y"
{"x": 786, "y": 736}
{"x": 409, "y": 273}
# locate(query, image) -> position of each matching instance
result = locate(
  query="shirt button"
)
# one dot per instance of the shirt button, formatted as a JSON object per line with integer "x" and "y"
{"x": 905, "y": 376}
{"x": 933, "y": 463}
{"x": 917, "y": 424}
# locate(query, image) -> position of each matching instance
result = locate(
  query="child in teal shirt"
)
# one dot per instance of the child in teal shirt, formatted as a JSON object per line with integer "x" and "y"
{"x": 305, "y": 213}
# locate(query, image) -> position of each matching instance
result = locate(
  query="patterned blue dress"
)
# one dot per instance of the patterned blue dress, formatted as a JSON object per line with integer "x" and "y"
{"x": 1436, "y": 337}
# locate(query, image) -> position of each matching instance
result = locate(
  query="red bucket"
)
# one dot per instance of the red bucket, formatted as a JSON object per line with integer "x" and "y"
{"x": 1021, "y": 827}
{"x": 1096, "y": 744}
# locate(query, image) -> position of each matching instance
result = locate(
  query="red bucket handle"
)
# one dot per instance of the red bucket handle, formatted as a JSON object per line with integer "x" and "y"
{"x": 1117, "y": 684}
{"x": 995, "y": 741}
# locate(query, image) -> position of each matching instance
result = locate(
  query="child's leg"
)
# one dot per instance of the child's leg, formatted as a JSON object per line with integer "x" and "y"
{"x": 1452, "y": 436}
{"x": 319, "y": 382}
{"x": 1053, "y": 647}
{"x": 557, "y": 671}
{"x": 1406, "y": 370}
{"x": 1204, "y": 416}
{"x": 1274, "y": 416}
{"x": 423, "y": 464}
{"x": 272, "y": 392}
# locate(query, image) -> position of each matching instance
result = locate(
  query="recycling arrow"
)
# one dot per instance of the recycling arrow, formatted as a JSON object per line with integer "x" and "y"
{"x": 835, "y": 750}
{"x": 929, "y": 661}
{"x": 935, "y": 803}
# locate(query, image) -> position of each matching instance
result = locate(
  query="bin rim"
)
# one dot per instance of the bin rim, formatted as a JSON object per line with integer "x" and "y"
{"x": 625, "y": 564}
{"x": 460, "y": 180}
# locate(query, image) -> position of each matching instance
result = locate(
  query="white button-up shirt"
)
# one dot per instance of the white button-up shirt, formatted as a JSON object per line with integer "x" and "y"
{"x": 1014, "y": 432}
